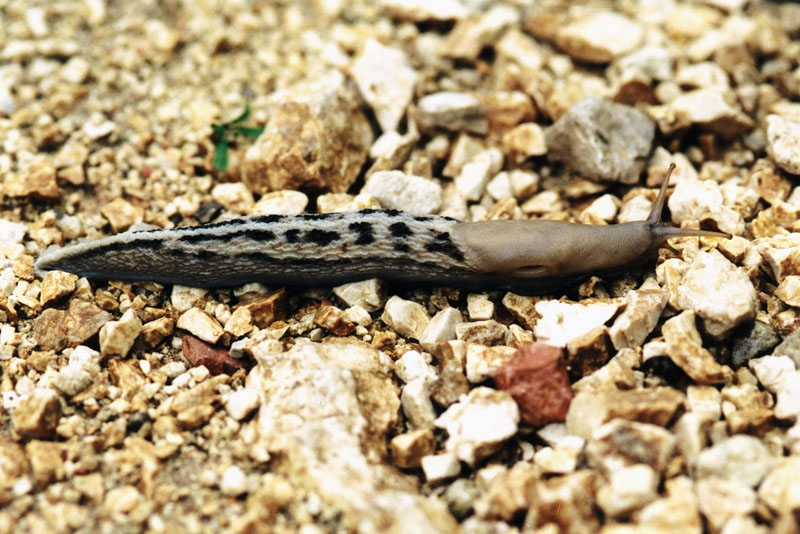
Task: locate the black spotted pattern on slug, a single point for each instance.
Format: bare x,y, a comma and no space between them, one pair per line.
282,248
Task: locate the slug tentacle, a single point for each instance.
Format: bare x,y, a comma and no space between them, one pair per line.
662,232
533,257
658,206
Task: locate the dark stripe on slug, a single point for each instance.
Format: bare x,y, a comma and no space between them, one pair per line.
256,257
139,244
364,232
261,235
400,230
254,234
293,235
446,248
200,238
231,223
385,213
402,247
318,216
268,218
444,244
322,237
266,260
205,254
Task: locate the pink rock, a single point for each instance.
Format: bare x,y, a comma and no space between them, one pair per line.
536,377
218,361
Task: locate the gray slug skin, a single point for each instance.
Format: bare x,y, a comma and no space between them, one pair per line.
533,257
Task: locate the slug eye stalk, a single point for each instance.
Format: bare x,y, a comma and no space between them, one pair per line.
660,231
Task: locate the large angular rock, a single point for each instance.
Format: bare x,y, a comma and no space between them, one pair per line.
601,140
317,139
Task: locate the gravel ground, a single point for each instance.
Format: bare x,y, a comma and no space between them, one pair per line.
664,399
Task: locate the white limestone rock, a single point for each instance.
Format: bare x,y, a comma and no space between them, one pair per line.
412,366
475,174
201,325
407,318
386,81
718,291
368,294
741,458
117,337
77,375
401,191
417,405
695,200
628,489
242,402
783,142
442,327
452,111
479,423
561,321
600,37
640,316
439,467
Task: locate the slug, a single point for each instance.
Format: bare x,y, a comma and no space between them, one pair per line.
533,257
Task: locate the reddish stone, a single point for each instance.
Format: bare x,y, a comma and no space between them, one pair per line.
536,377
217,361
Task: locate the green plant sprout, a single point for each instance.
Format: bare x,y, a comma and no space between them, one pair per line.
221,134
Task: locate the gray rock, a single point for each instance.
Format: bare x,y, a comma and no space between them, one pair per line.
743,459
461,496
601,140
756,341
790,347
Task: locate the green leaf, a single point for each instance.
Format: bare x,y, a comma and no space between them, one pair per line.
243,115
221,155
218,132
249,131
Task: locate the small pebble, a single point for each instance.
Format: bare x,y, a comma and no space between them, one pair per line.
398,190
117,337
241,403
741,458
479,423
439,467
782,146
200,324
233,481
280,203
452,111
600,37
410,448
407,318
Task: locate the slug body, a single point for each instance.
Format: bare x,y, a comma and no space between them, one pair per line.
533,257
